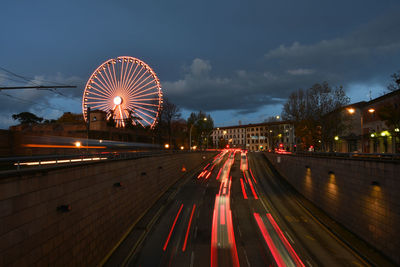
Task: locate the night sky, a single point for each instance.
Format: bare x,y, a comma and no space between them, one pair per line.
238,60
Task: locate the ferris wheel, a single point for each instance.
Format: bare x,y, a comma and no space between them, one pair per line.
127,89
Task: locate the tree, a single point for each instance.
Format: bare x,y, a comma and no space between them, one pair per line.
27,118
390,115
69,117
201,128
308,109
169,114
395,83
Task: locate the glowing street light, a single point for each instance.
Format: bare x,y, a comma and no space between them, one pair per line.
351,110
336,138
182,147
78,144
278,117
166,146
371,110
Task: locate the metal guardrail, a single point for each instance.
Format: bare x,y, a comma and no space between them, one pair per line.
354,155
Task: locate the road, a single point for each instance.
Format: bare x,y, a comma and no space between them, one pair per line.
236,212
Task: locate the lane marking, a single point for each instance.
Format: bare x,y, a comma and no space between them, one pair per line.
290,238
192,259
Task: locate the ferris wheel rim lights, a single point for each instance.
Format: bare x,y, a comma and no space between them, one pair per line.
124,86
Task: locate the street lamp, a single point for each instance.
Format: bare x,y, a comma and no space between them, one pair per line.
190,131
351,111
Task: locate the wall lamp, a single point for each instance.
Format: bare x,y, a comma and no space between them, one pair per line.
376,183
118,184
64,208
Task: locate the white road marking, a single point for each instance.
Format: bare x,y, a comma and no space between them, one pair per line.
247,259
240,232
192,259
291,239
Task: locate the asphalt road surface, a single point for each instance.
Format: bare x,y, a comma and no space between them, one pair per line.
236,212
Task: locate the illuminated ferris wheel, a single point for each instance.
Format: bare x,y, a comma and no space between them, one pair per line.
127,89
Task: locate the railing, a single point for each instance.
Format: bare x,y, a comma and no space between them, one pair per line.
354,155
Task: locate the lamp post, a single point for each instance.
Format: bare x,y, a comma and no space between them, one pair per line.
190,131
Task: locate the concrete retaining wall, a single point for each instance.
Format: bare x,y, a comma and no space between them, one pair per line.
362,195
33,231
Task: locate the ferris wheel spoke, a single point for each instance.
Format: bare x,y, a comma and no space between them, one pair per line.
105,82
121,116
111,76
93,93
138,97
98,106
145,90
142,117
130,76
133,106
106,87
146,104
143,99
106,96
126,74
134,80
139,89
95,98
135,88
139,82
120,73
140,121
107,73
102,89
115,76
145,114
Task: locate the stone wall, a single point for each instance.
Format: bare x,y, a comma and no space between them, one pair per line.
35,229
361,194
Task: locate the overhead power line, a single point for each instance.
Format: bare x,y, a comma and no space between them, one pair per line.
37,87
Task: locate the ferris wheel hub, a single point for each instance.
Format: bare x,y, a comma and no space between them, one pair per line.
117,100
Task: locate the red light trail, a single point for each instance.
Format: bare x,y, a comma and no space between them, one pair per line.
172,228
268,240
187,231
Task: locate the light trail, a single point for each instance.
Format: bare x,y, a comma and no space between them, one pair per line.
187,231
172,228
49,162
285,241
59,146
252,189
252,176
222,234
274,251
243,189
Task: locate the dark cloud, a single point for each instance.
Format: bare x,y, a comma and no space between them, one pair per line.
355,58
